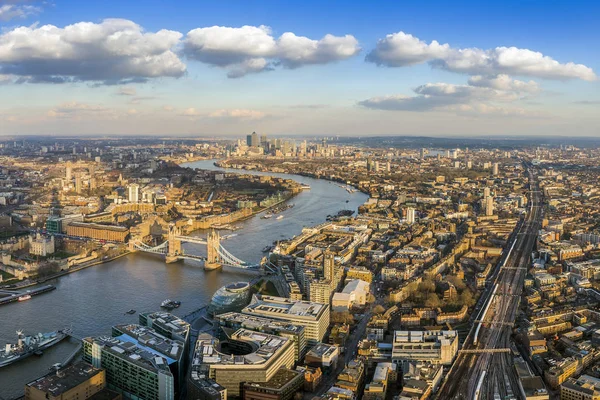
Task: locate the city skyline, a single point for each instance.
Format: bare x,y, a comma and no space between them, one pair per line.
68,68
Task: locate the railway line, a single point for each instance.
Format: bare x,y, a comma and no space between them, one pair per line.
479,372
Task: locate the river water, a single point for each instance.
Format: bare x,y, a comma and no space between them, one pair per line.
92,300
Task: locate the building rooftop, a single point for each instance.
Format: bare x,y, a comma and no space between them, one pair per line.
585,383
322,350
265,347
65,379
151,352
285,307
168,322
148,337
253,322
92,225
281,378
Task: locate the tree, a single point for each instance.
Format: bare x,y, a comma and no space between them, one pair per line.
466,298
427,286
459,284
378,309
432,300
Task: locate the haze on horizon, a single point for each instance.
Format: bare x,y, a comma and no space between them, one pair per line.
303,68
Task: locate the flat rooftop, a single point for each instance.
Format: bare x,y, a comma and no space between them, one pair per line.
56,383
168,322
282,377
128,348
254,322
266,347
286,307
149,338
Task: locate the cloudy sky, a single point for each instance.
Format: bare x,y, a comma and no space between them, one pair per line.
299,68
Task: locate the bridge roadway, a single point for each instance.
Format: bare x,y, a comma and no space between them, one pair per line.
500,375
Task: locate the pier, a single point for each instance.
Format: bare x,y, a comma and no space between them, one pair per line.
12,296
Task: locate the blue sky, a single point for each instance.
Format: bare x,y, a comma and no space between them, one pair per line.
311,87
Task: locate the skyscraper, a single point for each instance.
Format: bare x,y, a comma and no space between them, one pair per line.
252,140
495,169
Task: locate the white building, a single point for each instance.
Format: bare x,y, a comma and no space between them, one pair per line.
134,193
354,293
41,245
411,215
435,347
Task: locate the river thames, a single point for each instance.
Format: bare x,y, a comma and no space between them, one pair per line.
92,300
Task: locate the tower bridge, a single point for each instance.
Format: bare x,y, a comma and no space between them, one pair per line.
216,255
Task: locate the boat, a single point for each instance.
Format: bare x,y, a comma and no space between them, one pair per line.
168,304
279,217
24,297
132,311
305,187
267,248
29,345
266,216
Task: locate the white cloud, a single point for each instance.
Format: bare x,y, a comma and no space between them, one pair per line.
401,49
75,109
504,82
18,11
113,51
237,113
458,98
253,49
127,91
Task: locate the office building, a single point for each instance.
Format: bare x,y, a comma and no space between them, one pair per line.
111,233
77,381
282,386
246,356
234,321
314,317
205,389
583,388
139,363
57,224
252,140
495,169
322,355
435,347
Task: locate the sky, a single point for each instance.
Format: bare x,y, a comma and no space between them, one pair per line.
304,68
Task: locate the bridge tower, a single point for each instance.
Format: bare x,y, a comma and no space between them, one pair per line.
213,242
174,249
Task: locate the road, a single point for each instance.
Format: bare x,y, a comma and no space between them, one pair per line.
484,374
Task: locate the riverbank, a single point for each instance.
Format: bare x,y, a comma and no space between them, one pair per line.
223,164
67,272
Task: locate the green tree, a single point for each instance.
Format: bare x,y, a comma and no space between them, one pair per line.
432,300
